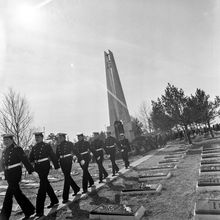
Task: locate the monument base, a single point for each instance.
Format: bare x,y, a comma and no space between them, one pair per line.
129,133
115,212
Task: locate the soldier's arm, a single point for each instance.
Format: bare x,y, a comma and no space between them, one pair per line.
53,157
91,147
76,152
31,156
24,159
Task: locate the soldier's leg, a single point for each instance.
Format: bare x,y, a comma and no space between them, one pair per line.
66,187
114,166
69,179
104,172
7,204
51,193
84,180
41,195
74,186
25,204
126,160
100,170
89,177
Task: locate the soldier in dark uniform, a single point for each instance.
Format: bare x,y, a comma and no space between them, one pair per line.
40,155
64,154
97,148
110,148
82,149
12,157
124,148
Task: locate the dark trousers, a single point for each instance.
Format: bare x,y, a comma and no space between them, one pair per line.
45,188
102,171
66,166
125,158
86,176
14,190
115,168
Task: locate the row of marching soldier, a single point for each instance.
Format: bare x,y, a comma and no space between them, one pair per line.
38,164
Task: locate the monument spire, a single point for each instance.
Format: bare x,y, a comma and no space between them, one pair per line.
120,120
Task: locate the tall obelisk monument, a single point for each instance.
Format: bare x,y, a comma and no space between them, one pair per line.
120,120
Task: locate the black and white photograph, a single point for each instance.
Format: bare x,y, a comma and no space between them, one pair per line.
110,109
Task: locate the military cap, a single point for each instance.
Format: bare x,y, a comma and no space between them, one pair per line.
61,134
38,134
122,134
7,136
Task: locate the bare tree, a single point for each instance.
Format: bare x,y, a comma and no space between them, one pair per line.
144,116
15,117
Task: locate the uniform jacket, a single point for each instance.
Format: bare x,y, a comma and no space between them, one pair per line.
14,155
64,148
109,142
97,147
124,145
43,150
82,150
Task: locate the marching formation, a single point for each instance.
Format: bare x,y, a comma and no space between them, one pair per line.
38,163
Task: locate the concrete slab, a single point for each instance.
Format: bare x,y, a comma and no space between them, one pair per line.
207,209
210,156
208,184
143,188
211,148
210,161
158,167
210,168
174,157
162,175
117,212
211,151
168,161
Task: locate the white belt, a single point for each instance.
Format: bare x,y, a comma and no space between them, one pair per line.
86,152
98,149
67,155
41,160
12,166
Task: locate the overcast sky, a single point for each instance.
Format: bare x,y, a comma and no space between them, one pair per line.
55,56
